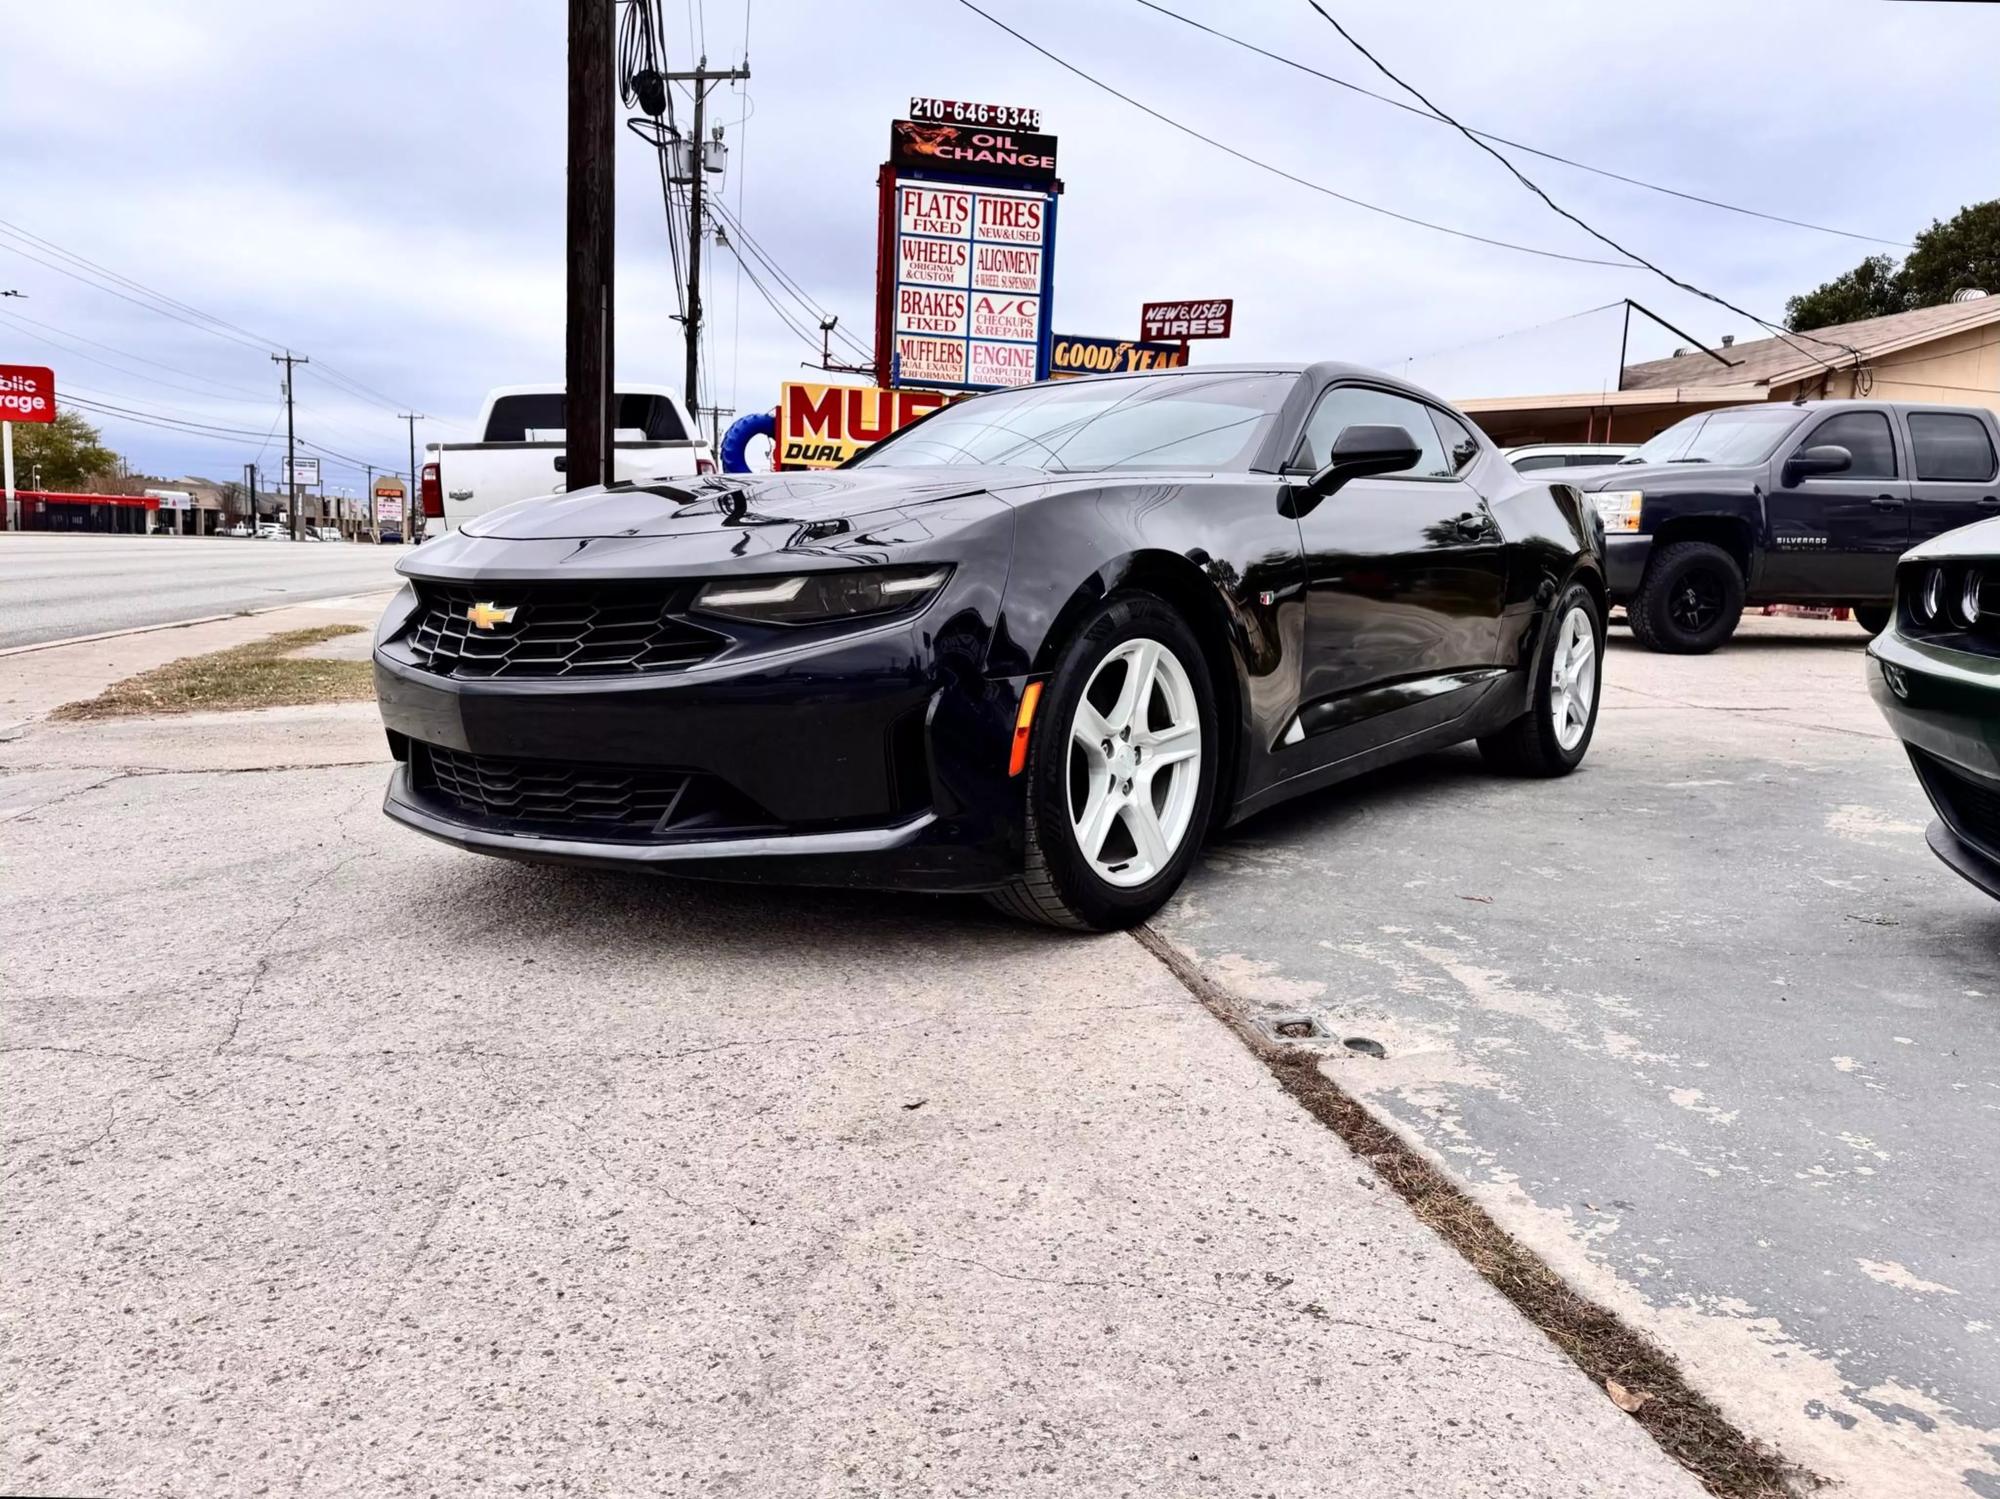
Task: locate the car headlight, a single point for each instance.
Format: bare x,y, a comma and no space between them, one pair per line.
1968,599
1619,508
815,598
1930,595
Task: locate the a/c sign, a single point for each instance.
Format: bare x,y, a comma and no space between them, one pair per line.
27,393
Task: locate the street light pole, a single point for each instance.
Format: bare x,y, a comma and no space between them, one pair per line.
411,507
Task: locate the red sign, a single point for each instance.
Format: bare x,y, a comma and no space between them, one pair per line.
1164,320
27,393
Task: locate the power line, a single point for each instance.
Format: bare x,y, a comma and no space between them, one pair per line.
1593,232
1582,166
83,269
798,293
67,347
1277,171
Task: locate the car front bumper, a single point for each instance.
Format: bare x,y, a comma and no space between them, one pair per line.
1945,707
873,760
1625,557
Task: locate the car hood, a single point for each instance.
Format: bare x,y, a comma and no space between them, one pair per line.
728,505
1980,539
1663,478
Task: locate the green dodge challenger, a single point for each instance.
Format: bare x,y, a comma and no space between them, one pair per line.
1935,672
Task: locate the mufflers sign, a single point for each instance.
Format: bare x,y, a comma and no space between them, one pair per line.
822,426
1009,155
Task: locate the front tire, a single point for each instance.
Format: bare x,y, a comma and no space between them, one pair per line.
1689,601
1551,737
1872,617
1112,831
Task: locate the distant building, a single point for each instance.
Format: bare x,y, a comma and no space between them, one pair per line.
1949,354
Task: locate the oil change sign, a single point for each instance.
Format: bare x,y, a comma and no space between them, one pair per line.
969,294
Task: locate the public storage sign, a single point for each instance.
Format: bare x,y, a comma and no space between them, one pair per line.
27,393
968,302
1209,319
822,426
1073,355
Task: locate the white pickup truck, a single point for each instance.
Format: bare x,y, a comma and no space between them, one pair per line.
521,448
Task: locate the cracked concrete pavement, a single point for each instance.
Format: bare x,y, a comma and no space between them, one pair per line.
339,1162
1706,1025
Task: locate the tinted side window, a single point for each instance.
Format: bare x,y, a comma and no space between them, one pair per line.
514,417
1356,406
1951,447
1460,446
1865,434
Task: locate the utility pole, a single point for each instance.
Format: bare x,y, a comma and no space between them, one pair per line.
698,159
826,359
715,414
288,359
412,507
587,344
250,499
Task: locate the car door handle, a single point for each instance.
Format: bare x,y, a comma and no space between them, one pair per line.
1886,502
1989,499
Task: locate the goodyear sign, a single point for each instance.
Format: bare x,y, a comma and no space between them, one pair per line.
822,426
1075,356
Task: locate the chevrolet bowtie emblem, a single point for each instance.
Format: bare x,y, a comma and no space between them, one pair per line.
485,616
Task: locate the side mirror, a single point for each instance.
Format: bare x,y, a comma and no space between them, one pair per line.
1827,458
1361,451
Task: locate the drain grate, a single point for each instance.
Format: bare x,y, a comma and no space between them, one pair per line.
1291,1025
1366,1047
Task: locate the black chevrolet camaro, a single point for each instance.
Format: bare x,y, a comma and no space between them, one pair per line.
1037,644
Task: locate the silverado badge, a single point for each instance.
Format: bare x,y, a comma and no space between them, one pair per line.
485,616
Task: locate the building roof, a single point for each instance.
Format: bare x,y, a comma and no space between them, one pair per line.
1772,361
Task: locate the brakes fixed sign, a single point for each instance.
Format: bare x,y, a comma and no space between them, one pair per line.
27,393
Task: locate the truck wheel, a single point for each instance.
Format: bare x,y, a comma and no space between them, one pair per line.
1689,601
1874,618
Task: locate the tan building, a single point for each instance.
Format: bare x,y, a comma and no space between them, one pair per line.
1948,354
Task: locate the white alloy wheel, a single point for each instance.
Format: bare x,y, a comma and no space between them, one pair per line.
1134,764
1573,677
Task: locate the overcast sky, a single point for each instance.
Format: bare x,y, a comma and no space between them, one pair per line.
380,185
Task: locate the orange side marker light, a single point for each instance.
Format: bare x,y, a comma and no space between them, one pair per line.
1024,721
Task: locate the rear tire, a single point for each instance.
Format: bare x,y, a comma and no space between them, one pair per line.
1147,817
1874,618
1689,601
1550,739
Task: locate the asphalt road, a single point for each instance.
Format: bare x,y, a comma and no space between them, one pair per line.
1705,1023
54,587
341,1162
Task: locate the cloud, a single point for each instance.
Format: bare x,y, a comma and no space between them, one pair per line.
381,185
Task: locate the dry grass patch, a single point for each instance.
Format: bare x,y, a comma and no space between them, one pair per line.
258,675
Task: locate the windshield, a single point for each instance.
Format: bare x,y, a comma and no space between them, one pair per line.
1166,422
1720,437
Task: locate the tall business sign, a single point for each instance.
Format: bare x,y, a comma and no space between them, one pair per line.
27,394
965,254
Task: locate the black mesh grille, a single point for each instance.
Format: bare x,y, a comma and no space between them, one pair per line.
582,801
552,630
1969,804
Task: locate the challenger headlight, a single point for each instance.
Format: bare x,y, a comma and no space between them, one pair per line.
1619,508
1968,601
817,598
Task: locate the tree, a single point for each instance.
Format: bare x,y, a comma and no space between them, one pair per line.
67,451
1872,289
1945,259
1948,258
